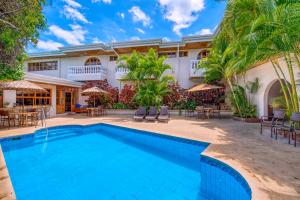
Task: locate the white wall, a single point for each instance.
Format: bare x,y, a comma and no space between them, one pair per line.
9,96
181,68
267,77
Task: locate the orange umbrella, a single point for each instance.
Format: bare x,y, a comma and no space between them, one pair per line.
203,87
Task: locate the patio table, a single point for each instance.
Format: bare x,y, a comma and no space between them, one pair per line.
91,111
23,117
208,112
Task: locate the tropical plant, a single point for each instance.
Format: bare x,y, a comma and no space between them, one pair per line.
20,22
247,109
147,73
127,94
257,31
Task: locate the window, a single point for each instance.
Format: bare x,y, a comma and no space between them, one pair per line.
183,54
92,61
202,54
113,58
168,54
34,98
42,66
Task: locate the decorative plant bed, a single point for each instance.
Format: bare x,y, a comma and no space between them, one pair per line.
247,120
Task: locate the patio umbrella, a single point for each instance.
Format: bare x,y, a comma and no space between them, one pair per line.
22,85
93,91
204,87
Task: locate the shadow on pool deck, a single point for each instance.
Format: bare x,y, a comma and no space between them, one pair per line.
271,167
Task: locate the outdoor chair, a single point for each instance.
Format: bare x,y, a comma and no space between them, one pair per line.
164,115
294,129
271,121
152,115
6,117
216,112
99,110
140,114
200,112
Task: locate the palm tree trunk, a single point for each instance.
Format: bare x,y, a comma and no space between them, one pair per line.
293,82
285,92
236,102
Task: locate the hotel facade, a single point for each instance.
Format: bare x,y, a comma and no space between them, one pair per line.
64,71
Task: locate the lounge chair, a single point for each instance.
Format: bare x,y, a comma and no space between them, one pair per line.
152,115
140,114
164,114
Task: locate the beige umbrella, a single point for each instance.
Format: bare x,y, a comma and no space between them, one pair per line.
93,91
22,85
204,87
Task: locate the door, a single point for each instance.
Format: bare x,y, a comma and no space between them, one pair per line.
68,102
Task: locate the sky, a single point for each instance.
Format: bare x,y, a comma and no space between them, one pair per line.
77,22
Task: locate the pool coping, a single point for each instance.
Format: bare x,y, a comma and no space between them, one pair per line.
222,165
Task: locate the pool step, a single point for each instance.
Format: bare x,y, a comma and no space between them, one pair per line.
54,134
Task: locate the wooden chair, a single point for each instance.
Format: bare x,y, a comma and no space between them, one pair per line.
6,117
200,112
216,112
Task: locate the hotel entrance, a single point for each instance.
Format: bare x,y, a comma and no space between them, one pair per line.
65,99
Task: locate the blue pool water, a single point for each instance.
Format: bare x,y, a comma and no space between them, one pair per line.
109,162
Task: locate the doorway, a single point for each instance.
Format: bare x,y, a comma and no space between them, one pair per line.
68,102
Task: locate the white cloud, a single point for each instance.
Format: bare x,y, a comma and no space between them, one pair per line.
204,31
135,38
96,40
49,45
139,16
73,3
140,30
104,1
75,36
74,14
182,12
120,14
166,39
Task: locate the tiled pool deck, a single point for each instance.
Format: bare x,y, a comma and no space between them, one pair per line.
272,168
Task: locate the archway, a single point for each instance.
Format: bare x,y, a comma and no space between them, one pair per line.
92,61
273,92
202,54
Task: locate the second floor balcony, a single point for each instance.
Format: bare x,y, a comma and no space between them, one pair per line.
87,73
195,72
121,73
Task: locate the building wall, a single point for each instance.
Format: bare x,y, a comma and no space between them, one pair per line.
180,65
267,77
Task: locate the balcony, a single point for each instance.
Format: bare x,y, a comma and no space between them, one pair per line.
194,71
121,73
87,73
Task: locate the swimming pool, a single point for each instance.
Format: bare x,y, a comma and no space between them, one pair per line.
109,162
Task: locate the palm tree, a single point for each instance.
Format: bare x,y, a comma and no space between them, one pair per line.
147,72
258,30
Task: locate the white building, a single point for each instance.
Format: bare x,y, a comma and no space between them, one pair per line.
62,72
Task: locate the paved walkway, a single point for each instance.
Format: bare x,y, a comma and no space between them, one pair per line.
272,168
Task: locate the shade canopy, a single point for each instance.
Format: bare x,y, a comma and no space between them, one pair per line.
21,85
93,91
204,87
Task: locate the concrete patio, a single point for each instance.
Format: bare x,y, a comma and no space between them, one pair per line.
272,168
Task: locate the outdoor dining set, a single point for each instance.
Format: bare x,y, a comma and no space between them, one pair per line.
279,125
21,116
202,112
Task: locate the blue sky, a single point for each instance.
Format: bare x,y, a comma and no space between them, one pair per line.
75,22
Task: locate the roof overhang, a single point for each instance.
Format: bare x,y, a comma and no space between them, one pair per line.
51,80
189,42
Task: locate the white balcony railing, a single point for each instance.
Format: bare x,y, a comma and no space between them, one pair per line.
121,73
194,71
87,73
